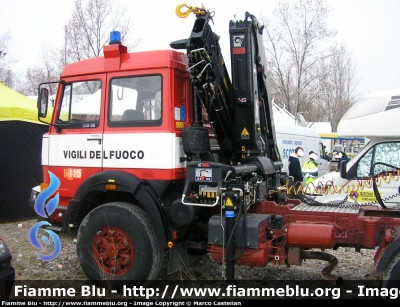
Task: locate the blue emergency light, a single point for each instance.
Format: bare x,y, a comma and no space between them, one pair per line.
115,37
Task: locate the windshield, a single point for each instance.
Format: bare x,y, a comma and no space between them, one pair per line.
385,158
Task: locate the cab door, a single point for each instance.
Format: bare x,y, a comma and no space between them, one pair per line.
75,141
134,135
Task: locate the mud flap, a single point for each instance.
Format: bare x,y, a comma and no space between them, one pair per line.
178,258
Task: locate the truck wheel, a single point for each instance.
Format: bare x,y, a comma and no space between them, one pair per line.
391,275
117,245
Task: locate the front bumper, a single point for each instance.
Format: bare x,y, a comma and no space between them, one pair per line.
34,194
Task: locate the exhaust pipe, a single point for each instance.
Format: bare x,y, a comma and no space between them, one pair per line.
326,273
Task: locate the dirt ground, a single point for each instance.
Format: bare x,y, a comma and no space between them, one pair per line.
352,265
29,266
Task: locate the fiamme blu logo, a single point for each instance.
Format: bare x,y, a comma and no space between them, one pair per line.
45,206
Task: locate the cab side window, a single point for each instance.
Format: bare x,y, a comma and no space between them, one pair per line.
135,101
382,158
81,103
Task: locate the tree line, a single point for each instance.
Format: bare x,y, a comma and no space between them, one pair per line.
311,75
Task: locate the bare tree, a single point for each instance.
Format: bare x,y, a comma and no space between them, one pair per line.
295,47
89,28
86,33
337,85
7,76
47,71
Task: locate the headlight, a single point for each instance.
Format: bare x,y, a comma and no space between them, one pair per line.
34,194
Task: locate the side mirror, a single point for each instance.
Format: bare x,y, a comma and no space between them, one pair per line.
43,102
342,170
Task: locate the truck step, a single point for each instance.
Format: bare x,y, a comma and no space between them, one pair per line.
54,228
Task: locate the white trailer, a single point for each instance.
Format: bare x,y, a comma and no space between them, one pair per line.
371,177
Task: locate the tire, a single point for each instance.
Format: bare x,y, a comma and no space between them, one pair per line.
117,245
391,274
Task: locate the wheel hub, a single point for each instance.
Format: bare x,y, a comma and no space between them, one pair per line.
113,250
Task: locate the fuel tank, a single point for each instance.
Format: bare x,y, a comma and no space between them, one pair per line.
311,235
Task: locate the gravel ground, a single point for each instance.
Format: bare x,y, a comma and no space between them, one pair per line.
352,265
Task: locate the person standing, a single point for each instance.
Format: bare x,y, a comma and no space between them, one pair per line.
294,165
341,155
310,168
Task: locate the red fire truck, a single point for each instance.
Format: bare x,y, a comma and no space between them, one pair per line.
161,153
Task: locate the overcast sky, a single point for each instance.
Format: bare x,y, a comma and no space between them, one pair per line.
368,28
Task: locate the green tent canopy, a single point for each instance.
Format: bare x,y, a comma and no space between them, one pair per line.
15,106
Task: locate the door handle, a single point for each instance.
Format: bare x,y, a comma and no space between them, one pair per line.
95,139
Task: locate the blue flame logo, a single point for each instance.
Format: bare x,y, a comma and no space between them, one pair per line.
45,210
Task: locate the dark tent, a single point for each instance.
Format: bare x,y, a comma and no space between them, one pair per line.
20,153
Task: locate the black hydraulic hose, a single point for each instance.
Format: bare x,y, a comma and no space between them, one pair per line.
198,116
326,273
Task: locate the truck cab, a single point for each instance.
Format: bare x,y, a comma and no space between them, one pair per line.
126,118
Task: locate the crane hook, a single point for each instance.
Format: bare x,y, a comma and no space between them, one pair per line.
195,10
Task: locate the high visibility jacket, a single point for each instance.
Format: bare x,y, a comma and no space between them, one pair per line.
310,170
